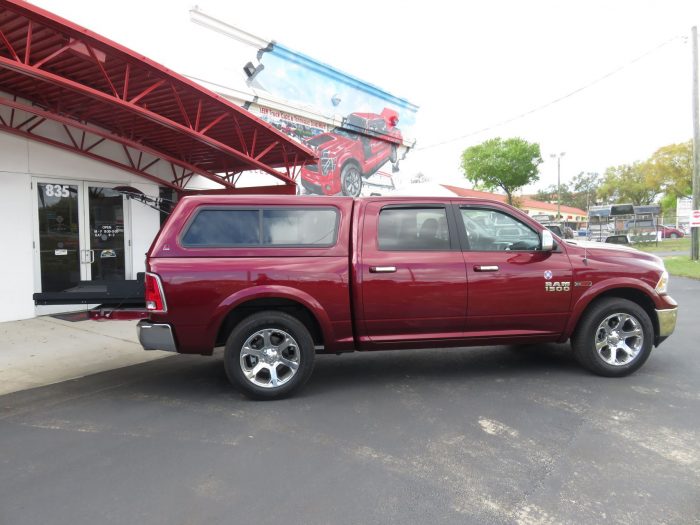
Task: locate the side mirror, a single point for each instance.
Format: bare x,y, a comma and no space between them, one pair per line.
547,241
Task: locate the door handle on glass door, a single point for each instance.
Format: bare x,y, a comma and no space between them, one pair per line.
382,269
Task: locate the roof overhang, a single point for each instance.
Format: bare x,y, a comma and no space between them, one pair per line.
54,71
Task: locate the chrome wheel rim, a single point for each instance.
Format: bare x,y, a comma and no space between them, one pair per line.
619,339
352,182
270,358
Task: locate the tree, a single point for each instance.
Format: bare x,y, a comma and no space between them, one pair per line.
671,168
630,183
506,164
549,194
584,189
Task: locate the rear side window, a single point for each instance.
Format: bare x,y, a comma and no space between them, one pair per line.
413,229
231,227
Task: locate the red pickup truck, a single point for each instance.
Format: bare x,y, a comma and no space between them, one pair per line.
277,279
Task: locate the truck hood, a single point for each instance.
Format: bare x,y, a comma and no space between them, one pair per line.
613,250
330,143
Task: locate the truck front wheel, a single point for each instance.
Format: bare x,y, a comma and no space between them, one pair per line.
614,337
269,355
351,180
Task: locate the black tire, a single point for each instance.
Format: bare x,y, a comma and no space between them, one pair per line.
277,325
394,155
351,180
592,330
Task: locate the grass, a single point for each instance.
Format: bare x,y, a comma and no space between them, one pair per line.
682,266
667,245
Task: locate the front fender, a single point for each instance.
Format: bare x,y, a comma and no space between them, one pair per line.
600,288
270,292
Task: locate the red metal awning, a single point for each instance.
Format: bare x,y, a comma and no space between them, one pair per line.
55,72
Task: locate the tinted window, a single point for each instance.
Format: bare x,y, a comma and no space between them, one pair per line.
269,227
413,229
490,230
223,228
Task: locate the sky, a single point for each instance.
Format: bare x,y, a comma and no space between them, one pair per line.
470,66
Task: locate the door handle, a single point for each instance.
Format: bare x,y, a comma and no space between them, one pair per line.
382,269
92,256
485,268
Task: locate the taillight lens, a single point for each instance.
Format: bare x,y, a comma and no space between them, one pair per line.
155,299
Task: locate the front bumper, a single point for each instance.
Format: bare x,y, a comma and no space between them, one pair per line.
156,336
667,323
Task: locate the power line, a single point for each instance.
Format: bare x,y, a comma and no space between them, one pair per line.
556,100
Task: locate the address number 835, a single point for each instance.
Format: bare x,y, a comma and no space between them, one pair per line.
56,190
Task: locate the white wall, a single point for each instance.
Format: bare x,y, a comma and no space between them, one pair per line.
20,160
16,253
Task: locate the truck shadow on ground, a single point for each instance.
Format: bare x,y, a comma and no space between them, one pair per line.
203,379
370,370
454,364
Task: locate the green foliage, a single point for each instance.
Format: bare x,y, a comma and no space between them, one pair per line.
580,193
668,172
629,183
506,164
683,266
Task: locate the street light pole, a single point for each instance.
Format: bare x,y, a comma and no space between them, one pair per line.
695,232
558,157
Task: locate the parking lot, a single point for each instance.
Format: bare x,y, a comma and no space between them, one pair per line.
480,435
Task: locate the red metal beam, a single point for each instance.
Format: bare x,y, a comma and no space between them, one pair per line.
70,123
95,94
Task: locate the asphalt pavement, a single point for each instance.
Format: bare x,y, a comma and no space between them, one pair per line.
480,435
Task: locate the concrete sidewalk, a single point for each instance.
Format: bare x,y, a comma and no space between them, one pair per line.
45,350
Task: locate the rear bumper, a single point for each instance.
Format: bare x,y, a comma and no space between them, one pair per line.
667,323
156,336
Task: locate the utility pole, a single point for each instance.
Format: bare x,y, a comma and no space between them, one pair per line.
696,145
558,157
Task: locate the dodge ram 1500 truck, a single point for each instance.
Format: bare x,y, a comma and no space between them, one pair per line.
278,279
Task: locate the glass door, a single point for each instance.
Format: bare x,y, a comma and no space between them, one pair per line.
80,235
58,243
106,244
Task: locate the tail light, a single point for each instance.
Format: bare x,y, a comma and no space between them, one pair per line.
155,298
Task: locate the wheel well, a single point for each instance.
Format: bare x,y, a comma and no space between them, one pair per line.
636,296
353,161
287,306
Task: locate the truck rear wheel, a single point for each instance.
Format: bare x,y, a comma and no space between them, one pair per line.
614,337
269,355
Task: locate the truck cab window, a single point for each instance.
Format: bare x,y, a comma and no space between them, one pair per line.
413,229
490,230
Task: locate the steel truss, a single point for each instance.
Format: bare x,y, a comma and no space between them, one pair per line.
98,91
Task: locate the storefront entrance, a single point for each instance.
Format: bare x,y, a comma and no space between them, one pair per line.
80,234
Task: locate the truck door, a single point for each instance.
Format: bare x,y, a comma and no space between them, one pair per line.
514,287
411,274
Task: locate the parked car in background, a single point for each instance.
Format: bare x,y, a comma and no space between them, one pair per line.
671,232
667,232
